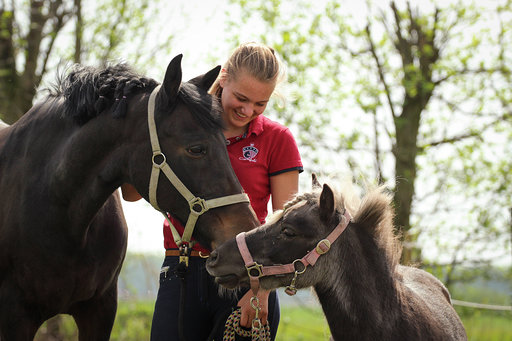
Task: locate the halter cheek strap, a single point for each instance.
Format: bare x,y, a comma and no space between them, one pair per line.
197,205
254,270
298,266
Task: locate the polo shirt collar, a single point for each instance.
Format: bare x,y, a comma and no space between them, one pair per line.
256,126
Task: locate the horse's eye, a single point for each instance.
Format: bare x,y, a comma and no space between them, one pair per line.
197,150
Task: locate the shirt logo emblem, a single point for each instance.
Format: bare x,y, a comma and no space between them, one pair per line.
249,153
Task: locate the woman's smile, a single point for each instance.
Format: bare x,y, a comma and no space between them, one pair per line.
243,99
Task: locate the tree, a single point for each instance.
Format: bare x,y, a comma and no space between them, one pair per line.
429,93
18,83
39,35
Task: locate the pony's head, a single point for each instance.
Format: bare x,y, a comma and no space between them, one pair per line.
297,230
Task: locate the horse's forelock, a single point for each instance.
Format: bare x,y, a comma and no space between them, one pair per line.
205,108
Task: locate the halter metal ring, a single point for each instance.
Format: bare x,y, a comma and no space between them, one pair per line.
257,267
323,246
198,206
297,272
155,163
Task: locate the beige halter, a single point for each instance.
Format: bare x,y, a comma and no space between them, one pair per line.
197,205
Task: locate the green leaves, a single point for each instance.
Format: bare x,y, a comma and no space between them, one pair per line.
435,81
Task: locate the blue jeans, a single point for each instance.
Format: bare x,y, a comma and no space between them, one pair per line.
205,310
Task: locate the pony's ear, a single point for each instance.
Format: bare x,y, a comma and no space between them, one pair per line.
205,81
314,181
172,82
327,204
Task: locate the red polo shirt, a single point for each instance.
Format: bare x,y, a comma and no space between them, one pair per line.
268,148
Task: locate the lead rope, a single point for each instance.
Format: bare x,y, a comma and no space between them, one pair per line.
233,328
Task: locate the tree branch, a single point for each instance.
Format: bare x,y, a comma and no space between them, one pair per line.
458,138
57,26
467,71
401,44
380,70
34,38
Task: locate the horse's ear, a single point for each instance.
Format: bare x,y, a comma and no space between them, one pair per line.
205,81
314,181
327,204
172,81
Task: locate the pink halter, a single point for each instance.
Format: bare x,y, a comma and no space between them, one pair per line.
255,270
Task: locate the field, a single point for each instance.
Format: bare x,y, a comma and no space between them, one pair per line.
297,324
301,315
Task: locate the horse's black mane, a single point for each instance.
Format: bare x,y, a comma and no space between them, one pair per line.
88,91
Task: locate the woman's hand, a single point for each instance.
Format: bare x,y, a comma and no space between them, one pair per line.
248,312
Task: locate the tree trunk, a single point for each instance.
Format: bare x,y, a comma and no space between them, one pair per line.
78,31
8,76
405,151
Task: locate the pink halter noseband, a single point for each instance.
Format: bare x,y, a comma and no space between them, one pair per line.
255,270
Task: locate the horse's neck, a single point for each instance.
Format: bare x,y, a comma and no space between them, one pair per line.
65,164
88,167
56,172
360,293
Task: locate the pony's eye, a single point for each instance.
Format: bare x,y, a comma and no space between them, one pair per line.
288,232
197,150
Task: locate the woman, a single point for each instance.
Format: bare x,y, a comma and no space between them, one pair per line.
266,160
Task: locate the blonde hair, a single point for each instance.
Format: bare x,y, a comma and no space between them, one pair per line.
258,60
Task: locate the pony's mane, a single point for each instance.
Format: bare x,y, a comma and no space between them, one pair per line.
373,212
89,91
376,214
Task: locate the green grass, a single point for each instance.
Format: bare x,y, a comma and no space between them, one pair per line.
486,325
133,323
301,324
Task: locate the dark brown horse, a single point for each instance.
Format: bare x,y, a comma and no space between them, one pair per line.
365,294
62,231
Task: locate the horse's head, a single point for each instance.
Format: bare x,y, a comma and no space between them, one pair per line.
289,236
189,139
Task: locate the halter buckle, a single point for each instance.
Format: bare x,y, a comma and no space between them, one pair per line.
323,246
256,267
198,206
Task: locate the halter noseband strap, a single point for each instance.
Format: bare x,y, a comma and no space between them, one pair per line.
197,205
255,270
